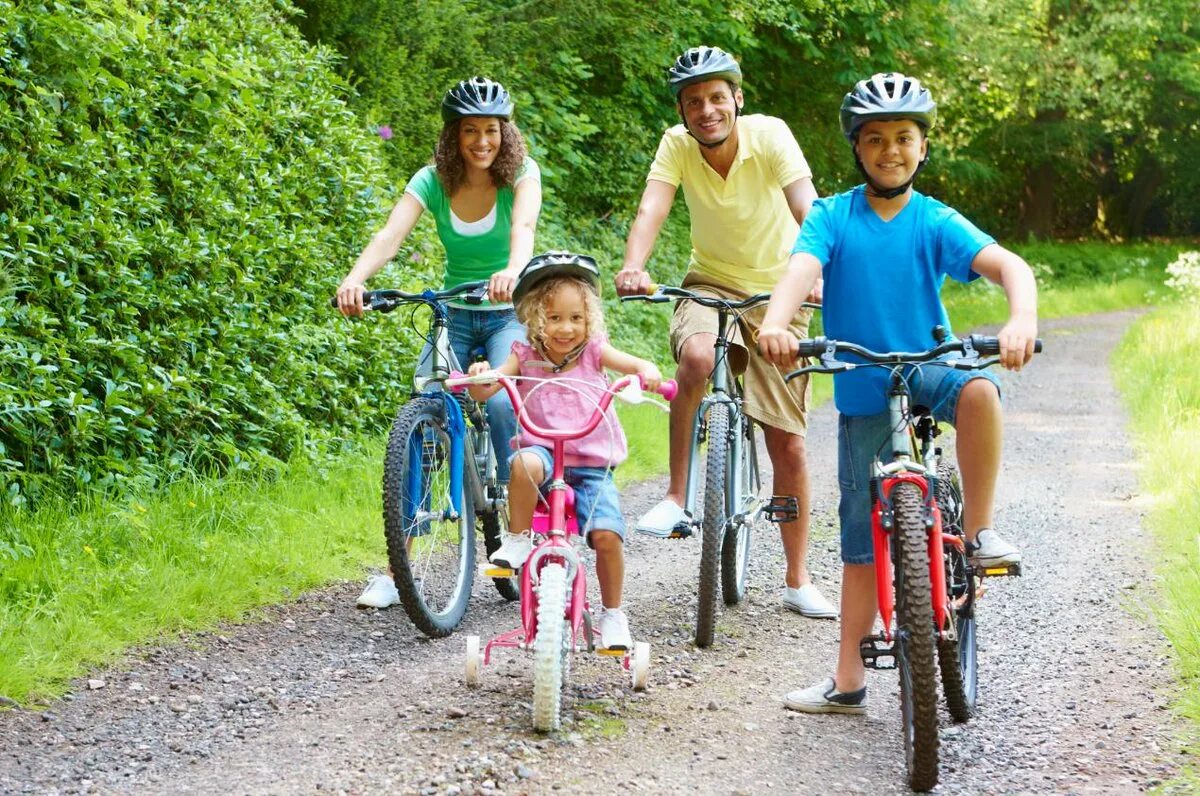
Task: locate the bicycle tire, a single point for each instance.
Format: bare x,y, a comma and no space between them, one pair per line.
735,548
713,526
957,657
548,648
435,579
915,638
493,526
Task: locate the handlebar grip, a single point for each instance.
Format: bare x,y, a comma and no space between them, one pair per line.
811,348
990,346
669,389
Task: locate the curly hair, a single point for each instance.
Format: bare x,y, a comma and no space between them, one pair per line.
448,160
531,310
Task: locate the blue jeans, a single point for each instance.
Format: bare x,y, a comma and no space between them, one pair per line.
863,438
597,506
494,331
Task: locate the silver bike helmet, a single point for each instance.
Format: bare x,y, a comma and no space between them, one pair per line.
477,96
887,96
556,263
703,63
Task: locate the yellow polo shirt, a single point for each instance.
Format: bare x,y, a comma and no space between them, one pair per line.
742,228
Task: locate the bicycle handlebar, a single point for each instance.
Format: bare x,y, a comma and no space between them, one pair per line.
664,293
973,347
458,382
388,300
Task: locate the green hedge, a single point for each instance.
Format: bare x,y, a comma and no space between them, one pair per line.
183,185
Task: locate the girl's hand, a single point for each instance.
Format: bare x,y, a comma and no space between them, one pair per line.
651,378
350,298
500,288
778,346
478,368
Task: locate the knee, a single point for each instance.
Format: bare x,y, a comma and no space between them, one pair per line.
695,361
978,395
606,542
785,448
526,469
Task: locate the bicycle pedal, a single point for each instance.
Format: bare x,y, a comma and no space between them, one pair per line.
611,653
1005,571
782,508
499,572
681,531
872,648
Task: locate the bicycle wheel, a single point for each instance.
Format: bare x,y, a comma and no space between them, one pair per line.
548,647
434,577
493,523
715,517
914,638
957,657
735,549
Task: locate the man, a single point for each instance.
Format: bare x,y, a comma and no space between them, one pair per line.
747,188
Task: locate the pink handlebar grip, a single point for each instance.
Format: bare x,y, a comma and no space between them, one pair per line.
668,389
454,374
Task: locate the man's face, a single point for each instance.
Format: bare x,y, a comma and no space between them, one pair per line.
891,150
710,109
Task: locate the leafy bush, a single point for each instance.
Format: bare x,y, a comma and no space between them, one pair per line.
183,185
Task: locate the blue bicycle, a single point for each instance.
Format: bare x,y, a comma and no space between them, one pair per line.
439,479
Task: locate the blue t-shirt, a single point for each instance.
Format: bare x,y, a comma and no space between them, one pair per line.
883,280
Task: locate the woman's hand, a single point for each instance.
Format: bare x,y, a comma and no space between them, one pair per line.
650,376
350,297
500,288
478,368
778,346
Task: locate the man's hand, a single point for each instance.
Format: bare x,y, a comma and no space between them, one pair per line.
778,346
350,298
501,285
817,294
1016,342
632,282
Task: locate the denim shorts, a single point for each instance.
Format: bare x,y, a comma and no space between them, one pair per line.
862,438
597,507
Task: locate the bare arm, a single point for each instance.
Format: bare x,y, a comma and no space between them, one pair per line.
800,196
632,279
481,392
1009,271
621,362
527,205
775,342
383,247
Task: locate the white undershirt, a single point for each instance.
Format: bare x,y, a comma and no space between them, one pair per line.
473,228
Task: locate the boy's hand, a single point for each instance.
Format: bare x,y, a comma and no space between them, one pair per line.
778,346
478,368
651,377
1016,342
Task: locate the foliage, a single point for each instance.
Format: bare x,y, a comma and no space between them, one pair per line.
178,178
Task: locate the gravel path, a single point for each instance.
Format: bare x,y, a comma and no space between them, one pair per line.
315,696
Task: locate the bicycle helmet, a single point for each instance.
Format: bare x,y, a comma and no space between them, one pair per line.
477,96
703,63
887,96
556,263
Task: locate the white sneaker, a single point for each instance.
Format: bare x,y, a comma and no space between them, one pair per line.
808,601
661,520
993,551
614,629
380,593
514,552
825,698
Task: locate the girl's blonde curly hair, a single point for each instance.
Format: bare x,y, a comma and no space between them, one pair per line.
531,310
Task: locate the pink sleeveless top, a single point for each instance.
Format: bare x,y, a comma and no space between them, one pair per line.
569,405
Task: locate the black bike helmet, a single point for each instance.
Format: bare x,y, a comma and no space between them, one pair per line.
553,263
476,97
887,96
703,63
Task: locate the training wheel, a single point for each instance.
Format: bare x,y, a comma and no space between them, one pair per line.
640,666
474,661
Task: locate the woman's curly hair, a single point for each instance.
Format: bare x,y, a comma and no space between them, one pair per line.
531,310
448,160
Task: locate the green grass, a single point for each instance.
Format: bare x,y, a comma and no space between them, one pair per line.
1155,366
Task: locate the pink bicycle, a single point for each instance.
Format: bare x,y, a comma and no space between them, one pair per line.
553,582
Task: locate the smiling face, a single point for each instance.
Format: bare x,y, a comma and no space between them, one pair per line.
566,324
891,150
479,141
710,109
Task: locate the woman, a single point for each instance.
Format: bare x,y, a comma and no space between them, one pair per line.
485,194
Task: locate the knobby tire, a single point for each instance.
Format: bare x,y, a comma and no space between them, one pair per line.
548,648
957,657
713,526
735,549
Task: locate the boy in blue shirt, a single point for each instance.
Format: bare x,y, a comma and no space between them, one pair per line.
884,251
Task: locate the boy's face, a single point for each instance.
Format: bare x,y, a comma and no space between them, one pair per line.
891,150
710,109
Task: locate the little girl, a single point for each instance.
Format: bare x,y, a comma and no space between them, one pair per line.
557,297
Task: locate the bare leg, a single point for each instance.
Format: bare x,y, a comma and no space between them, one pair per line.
610,566
859,607
979,428
695,363
789,461
527,474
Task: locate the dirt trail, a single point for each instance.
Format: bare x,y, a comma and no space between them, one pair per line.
320,697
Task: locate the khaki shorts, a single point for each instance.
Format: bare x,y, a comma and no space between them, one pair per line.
767,398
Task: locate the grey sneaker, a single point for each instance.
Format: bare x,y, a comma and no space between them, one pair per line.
825,698
514,551
380,593
614,629
991,550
